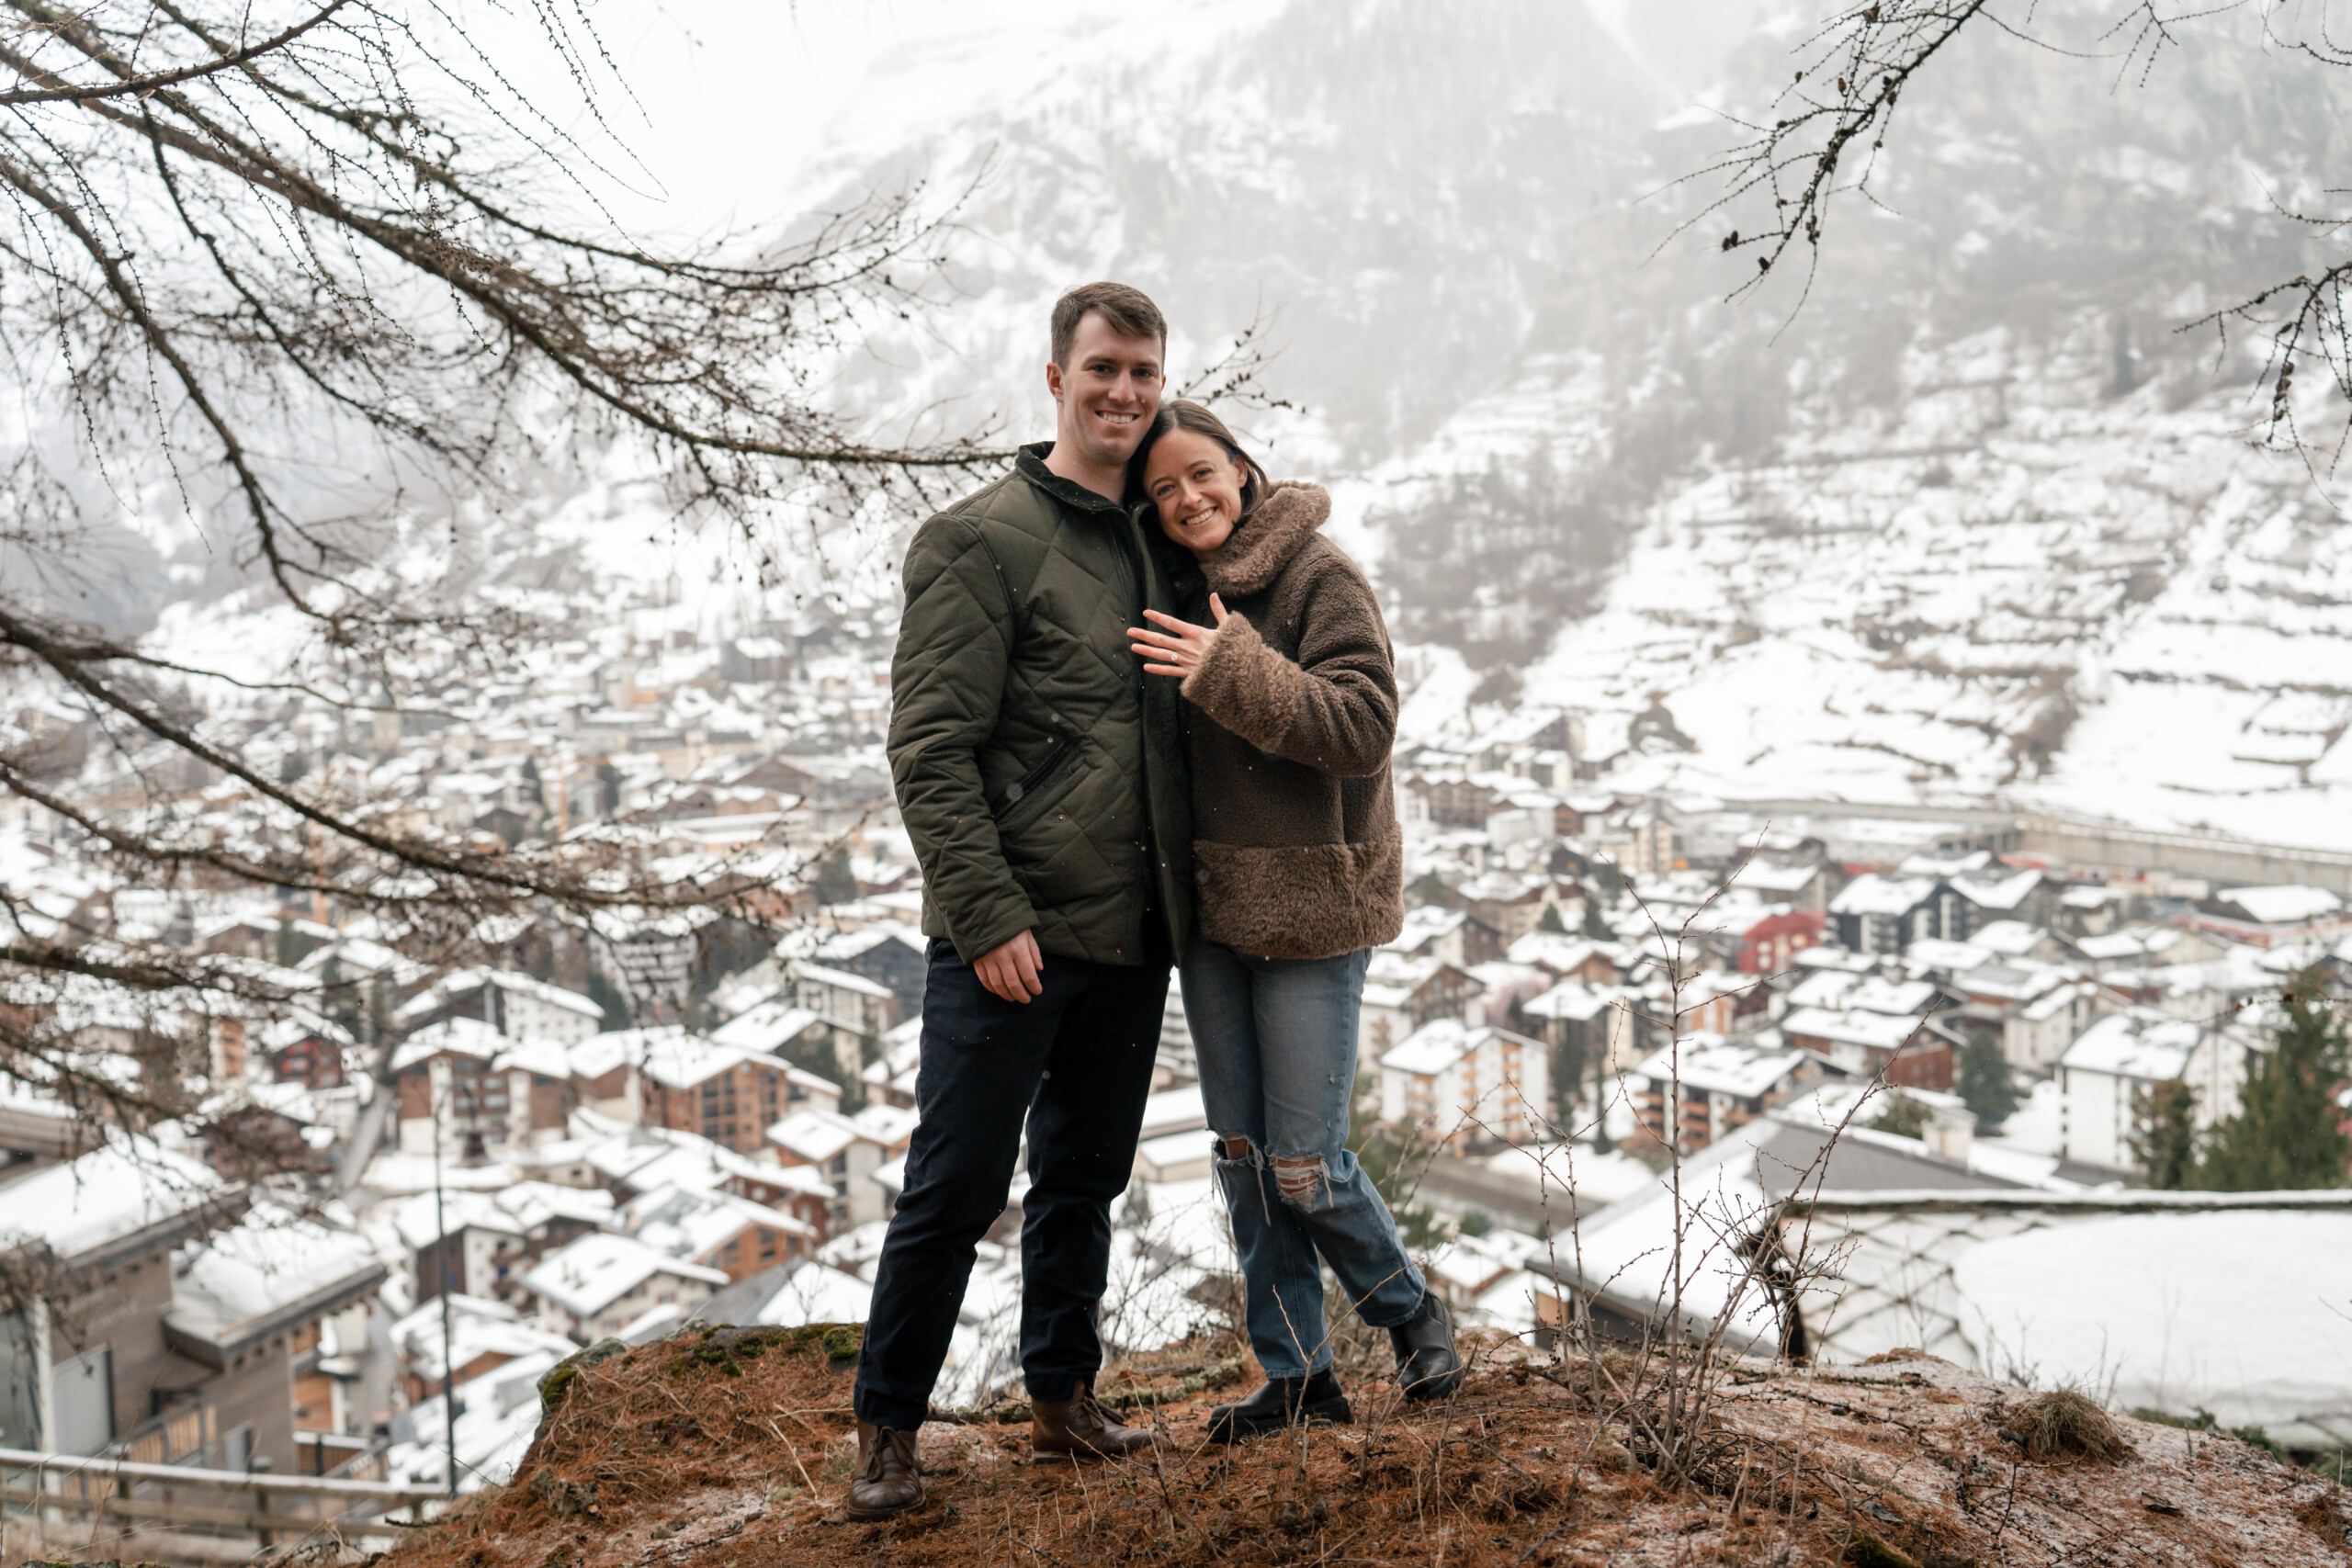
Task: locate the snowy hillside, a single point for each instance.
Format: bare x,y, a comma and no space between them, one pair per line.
1976,521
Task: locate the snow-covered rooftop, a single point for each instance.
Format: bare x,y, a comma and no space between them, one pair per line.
1733,1067
2140,1043
124,1186
2286,905
590,1273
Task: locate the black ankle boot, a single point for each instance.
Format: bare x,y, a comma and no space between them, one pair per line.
1283,1401
1427,1365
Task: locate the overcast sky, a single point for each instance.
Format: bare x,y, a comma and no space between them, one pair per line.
735,99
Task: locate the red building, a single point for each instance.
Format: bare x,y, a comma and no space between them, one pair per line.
1771,945
308,1050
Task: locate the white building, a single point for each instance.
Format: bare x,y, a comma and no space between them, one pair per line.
1479,1084
484,1091
2039,1033
847,1151
601,1282
849,1003
515,1005
2129,1050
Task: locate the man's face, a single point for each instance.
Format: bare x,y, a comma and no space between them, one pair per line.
1108,392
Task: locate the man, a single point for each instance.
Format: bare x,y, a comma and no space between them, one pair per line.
1041,778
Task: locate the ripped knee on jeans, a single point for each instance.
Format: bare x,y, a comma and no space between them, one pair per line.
1300,1177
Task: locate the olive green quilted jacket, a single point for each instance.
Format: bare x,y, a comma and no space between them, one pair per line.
1039,772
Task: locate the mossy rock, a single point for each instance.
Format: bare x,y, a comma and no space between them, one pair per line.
558,1380
727,1347
840,1341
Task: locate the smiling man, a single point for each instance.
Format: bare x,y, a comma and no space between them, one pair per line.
1042,781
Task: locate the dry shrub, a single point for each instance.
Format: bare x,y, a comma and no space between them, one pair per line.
685,1412
2067,1426
2322,1515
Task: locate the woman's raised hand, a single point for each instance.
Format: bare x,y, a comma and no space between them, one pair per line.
1179,647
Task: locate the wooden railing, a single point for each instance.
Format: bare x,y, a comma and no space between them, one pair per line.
267,1505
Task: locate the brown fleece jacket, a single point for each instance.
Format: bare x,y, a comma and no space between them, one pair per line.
1294,710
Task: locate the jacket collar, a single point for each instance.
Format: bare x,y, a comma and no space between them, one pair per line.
1277,528
1031,466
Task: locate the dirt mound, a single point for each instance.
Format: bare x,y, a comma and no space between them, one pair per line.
732,1449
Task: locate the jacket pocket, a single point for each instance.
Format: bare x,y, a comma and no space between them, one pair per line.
1031,785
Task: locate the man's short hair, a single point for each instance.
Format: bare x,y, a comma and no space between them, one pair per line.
1129,310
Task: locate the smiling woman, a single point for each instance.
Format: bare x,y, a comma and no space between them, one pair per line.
1198,478
1298,863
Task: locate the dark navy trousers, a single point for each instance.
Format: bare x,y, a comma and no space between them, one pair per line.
1074,1065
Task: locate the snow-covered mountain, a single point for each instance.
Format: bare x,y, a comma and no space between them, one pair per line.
1972,520
1976,520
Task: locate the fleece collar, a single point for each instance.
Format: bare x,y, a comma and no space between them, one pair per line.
1277,528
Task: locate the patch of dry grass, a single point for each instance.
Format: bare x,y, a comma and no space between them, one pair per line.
2065,1425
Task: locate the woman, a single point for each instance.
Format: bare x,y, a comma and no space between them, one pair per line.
1291,710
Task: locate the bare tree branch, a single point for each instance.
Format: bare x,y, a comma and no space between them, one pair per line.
296,274
10,98
1832,121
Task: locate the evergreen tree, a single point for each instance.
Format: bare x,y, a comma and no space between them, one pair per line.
2163,1133
1985,1083
835,883
1602,1142
1567,1075
1550,920
1596,922
1428,888
2288,1130
605,995
1900,1115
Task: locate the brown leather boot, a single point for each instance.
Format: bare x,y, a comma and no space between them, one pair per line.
886,1481
1079,1427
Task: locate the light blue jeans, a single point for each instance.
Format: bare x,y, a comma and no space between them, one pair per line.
1276,1039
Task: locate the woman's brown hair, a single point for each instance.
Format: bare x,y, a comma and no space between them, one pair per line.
1185,414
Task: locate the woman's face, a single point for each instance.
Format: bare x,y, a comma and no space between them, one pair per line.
1197,487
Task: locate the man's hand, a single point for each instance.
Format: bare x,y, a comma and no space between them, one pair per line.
1015,970
1178,648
